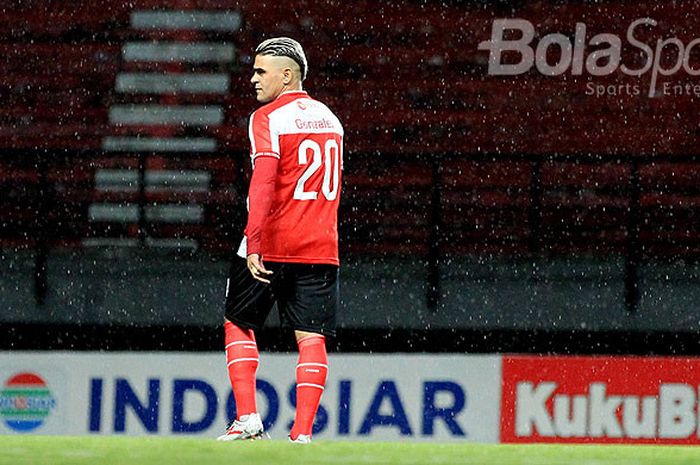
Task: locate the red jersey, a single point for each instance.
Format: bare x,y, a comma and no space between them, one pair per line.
307,138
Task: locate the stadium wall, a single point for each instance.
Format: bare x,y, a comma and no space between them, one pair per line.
455,397
126,287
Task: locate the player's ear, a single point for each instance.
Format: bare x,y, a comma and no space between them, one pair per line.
287,75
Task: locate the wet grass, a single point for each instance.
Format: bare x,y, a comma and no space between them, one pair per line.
93,450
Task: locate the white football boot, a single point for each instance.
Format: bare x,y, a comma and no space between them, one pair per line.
301,439
248,427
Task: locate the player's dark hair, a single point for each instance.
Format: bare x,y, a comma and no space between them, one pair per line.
284,47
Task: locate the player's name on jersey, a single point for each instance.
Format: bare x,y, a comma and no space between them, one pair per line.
314,124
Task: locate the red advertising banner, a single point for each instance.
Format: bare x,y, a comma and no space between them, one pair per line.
640,400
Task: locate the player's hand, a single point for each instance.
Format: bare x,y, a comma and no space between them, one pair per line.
257,269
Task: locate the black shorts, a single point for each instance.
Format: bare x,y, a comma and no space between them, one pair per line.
306,296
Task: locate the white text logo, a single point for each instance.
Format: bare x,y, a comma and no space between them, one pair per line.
604,60
672,414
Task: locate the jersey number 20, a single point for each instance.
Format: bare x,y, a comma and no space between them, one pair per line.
329,158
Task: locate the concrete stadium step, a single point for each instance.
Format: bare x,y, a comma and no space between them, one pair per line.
222,21
124,180
174,52
152,114
165,244
129,213
158,144
163,83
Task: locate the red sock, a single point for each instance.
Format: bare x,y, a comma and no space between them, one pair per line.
242,362
311,379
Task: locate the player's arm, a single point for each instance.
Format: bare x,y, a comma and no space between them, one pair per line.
265,155
260,194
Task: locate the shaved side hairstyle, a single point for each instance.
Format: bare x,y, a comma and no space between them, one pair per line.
285,47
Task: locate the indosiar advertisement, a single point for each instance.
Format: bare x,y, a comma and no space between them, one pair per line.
367,397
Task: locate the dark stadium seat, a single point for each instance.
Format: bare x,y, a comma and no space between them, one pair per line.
484,205
669,200
96,59
584,206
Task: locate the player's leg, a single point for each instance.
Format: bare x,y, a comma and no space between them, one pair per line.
247,304
309,302
311,373
242,365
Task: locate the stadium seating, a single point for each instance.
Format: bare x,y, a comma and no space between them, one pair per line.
409,84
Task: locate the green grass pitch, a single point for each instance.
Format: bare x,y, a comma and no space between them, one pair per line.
56,450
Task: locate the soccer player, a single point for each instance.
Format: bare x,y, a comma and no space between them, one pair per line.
289,252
